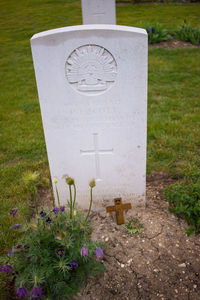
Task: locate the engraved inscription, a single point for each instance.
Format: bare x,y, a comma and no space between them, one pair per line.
86,117
91,69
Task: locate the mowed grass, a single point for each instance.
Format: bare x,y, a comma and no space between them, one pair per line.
173,110
169,15
173,102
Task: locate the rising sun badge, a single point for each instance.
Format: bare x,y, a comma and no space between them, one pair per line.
91,69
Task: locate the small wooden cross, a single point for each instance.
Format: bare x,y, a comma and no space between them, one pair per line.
119,209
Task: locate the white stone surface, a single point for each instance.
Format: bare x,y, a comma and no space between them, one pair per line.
98,11
92,85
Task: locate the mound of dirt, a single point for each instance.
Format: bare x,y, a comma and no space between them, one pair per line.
160,263
172,44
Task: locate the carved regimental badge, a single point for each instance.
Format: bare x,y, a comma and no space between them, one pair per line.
91,69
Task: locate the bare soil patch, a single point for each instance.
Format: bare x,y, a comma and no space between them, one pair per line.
173,44
161,263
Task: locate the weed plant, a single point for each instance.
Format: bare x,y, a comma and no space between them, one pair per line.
184,200
55,253
133,226
188,34
157,34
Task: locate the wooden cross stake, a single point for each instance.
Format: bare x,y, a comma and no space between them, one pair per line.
119,209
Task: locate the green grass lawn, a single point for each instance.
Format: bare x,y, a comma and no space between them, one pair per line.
173,110
173,102
169,15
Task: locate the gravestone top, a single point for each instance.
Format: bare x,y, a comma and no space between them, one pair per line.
79,28
98,11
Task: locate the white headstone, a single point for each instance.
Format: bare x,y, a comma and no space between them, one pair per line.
98,11
92,85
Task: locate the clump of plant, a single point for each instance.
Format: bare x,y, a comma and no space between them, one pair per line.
133,226
188,34
184,201
55,254
32,182
157,34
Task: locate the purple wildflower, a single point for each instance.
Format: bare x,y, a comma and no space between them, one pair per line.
26,247
10,252
152,29
62,208
7,268
48,220
74,264
84,251
13,212
60,252
55,210
16,226
99,253
21,292
1,269
36,292
42,214
197,44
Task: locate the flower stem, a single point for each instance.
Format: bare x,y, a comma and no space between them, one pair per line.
53,198
74,196
90,205
70,192
57,196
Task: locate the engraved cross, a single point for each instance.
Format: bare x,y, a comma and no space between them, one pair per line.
99,11
96,152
